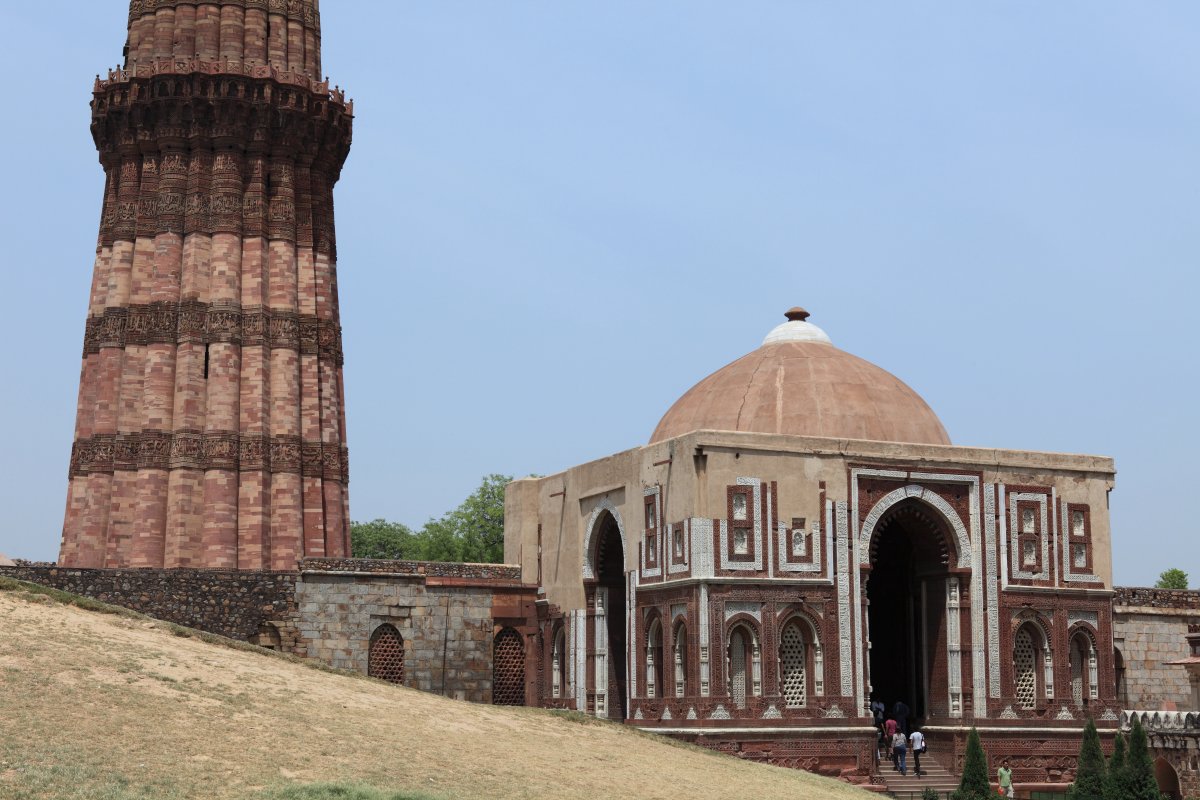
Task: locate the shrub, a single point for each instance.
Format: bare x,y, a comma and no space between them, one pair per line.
1139,768
975,784
1089,777
1114,782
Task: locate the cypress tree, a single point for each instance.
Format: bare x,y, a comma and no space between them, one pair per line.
1089,775
1140,781
1114,783
975,784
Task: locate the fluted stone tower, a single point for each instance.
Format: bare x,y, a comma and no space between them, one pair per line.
211,426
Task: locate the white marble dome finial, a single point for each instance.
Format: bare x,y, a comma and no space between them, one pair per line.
797,329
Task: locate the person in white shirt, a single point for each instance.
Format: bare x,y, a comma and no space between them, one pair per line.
916,743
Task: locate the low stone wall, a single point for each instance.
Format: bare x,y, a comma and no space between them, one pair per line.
240,605
1150,628
447,615
433,569
1146,597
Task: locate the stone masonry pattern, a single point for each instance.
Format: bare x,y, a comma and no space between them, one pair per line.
210,428
224,602
1150,629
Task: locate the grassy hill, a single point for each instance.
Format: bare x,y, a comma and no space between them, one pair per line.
113,706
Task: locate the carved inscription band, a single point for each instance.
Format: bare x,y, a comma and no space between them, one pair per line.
106,453
294,9
202,323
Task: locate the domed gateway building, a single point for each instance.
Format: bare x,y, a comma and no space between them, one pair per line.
800,537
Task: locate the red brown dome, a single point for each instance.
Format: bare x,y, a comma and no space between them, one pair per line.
799,384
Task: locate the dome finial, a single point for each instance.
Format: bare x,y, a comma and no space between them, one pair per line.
796,329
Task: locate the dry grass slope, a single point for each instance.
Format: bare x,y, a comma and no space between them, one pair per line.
114,706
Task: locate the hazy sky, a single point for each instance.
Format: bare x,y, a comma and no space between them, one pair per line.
556,217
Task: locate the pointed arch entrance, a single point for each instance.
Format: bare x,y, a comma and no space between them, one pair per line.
611,661
911,585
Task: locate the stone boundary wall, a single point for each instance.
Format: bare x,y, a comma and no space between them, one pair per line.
447,615
431,569
1147,597
226,602
1150,628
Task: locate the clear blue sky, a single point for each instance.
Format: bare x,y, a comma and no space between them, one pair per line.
557,217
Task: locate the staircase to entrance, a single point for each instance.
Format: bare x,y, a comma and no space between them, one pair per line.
910,787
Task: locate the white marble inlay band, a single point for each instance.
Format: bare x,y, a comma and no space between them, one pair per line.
1016,558
735,608
993,602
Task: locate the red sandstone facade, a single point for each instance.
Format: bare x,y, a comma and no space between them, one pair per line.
210,428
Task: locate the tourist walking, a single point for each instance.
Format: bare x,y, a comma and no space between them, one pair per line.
889,730
901,711
1005,775
877,712
900,751
916,743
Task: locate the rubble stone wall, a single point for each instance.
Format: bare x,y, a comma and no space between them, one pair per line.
239,605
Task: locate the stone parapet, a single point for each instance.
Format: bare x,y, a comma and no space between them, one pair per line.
240,605
430,569
1140,597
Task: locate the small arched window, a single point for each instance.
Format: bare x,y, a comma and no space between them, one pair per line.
1083,669
508,669
385,655
743,665
681,663
654,661
558,661
793,665
1119,677
1032,668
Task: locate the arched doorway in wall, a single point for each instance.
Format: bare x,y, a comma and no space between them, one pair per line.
1167,779
1119,676
911,553
610,595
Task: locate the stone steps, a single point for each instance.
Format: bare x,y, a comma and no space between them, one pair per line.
910,787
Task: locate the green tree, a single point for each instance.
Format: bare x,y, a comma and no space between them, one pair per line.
1089,777
1173,578
437,541
472,532
975,784
1114,783
382,539
1141,783
479,521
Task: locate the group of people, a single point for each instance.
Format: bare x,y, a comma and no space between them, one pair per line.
898,741
895,736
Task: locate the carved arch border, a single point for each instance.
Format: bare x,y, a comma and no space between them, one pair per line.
1045,628
589,549
930,498
754,655
816,630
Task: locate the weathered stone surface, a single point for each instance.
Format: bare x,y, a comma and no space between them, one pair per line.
240,605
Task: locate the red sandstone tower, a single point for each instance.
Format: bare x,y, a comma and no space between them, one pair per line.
211,425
